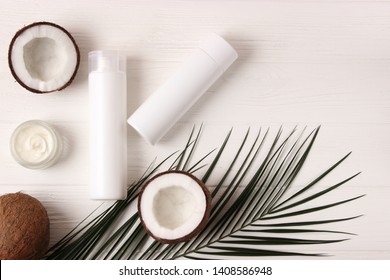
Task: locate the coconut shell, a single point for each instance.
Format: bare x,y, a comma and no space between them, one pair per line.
200,226
24,227
11,67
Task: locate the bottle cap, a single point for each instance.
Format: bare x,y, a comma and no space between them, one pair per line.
168,103
106,61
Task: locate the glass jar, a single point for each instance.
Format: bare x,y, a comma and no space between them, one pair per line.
36,145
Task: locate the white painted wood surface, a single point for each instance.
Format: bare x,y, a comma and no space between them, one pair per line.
300,63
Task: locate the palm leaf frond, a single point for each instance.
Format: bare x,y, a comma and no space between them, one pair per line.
248,214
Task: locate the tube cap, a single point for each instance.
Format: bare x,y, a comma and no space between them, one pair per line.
219,50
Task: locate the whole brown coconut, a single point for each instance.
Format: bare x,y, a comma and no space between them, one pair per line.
24,227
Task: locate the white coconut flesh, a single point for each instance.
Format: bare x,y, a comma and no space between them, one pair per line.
44,57
172,206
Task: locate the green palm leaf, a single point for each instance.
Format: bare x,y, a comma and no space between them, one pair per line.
246,218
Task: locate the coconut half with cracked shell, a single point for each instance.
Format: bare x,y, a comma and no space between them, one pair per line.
174,206
43,57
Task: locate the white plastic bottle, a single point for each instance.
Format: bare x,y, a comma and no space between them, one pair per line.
169,103
108,135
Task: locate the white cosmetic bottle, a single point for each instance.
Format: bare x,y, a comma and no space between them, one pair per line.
108,135
169,103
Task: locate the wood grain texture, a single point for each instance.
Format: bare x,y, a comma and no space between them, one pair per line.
304,63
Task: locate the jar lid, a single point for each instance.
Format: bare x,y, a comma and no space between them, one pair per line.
35,144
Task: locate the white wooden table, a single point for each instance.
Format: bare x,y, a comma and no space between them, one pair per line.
300,63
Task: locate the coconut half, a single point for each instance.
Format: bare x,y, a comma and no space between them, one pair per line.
43,57
174,206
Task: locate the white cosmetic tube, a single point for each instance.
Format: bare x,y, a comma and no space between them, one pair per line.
171,101
108,136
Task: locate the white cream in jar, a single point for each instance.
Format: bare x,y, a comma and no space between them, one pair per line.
35,144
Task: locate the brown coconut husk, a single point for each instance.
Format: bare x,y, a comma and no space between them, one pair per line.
24,227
